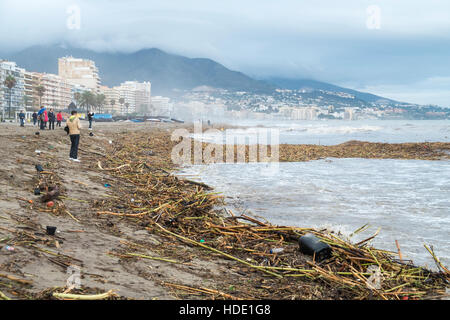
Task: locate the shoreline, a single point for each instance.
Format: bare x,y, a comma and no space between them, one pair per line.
147,210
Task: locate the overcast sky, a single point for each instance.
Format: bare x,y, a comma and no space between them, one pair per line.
395,48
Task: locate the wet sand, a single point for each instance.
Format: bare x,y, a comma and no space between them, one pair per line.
85,243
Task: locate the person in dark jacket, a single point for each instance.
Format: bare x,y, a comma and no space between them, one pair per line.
34,118
51,120
22,118
90,118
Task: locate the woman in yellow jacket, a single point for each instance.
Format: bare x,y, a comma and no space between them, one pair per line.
74,132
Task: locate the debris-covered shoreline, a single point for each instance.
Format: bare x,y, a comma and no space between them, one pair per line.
172,235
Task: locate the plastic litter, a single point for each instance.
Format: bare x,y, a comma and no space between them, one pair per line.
51,230
313,246
276,250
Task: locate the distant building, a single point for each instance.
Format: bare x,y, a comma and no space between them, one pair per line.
302,113
161,106
79,71
30,81
137,95
58,92
16,95
349,114
112,97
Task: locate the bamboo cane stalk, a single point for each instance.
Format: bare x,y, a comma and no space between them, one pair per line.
219,252
69,296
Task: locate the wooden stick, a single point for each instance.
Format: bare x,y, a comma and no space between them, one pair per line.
149,257
3,296
202,290
23,281
438,262
101,296
219,252
399,251
70,215
133,214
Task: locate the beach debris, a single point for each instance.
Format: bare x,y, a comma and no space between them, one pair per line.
37,191
9,248
148,152
311,245
102,296
3,296
50,204
51,230
107,185
39,168
276,250
177,209
52,194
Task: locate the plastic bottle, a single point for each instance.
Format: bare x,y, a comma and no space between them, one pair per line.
276,250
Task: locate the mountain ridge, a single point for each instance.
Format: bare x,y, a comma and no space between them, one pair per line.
168,72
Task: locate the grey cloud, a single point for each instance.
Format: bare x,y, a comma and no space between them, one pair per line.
321,39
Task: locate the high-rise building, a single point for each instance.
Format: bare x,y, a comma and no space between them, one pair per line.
137,95
29,85
11,100
161,106
58,91
112,97
79,71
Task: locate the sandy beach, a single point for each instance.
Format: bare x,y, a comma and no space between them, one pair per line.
105,231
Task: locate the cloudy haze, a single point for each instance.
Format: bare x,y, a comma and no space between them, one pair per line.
398,49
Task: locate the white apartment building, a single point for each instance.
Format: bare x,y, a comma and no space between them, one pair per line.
58,91
349,114
302,113
13,98
79,71
112,97
161,106
29,85
137,95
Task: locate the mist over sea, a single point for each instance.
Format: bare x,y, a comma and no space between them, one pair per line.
408,199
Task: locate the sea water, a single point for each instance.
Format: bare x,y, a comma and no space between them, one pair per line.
331,132
409,200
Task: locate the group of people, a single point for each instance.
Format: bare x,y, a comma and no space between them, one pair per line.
42,117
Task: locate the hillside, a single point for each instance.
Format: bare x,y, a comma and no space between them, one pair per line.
171,73
297,84
166,71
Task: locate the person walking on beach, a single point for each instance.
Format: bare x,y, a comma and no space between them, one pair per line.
74,125
45,118
41,118
34,116
90,118
22,118
51,120
59,119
